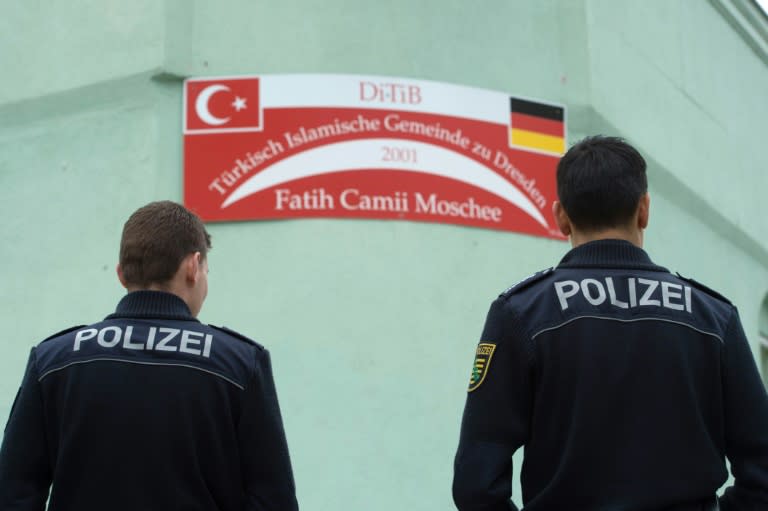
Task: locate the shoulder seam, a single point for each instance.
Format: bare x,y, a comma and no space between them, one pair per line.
701,287
238,335
526,282
62,332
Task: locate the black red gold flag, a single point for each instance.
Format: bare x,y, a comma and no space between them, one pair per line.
537,126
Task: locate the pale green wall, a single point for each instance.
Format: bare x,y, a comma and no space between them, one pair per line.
372,325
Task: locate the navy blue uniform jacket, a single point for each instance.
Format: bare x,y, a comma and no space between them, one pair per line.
627,386
146,410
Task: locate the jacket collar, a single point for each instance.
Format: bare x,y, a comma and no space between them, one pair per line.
152,304
609,254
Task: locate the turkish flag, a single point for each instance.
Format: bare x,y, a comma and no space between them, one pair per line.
222,104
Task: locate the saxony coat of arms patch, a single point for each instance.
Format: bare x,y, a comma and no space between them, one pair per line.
482,363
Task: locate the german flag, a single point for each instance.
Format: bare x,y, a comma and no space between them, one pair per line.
537,126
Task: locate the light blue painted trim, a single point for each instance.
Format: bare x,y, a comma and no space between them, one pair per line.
749,21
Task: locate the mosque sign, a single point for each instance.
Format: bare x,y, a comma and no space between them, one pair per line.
348,146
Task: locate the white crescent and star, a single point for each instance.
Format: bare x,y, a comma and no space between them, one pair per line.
204,112
239,103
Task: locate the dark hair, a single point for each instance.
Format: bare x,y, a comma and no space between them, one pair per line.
600,181
156,238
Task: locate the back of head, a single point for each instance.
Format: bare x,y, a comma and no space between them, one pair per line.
600,182
156,238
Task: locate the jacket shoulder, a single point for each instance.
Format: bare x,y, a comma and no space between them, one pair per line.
238,336
62,332
526,282
701,287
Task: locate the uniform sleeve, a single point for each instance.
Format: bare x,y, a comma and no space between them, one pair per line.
266,465
25,473
746,424
496,415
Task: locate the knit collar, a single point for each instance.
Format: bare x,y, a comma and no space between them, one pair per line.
610,253
152,304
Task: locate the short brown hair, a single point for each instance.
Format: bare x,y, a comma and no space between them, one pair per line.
156,238
600,181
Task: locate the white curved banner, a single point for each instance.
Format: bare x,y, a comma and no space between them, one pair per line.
361,155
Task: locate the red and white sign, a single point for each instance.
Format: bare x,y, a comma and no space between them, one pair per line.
345,146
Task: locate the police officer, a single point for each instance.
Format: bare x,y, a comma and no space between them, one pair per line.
627,385
149,409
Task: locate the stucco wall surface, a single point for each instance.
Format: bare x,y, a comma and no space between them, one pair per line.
371,324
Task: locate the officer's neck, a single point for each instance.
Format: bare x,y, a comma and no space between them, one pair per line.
634,236
175,286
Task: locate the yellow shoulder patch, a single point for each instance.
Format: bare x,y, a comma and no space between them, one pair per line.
482,363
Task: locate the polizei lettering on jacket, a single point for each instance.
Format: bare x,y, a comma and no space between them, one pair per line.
156,339
625,293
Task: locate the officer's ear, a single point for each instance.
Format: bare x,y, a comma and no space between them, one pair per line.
643,211
193,267
120,276
561,217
